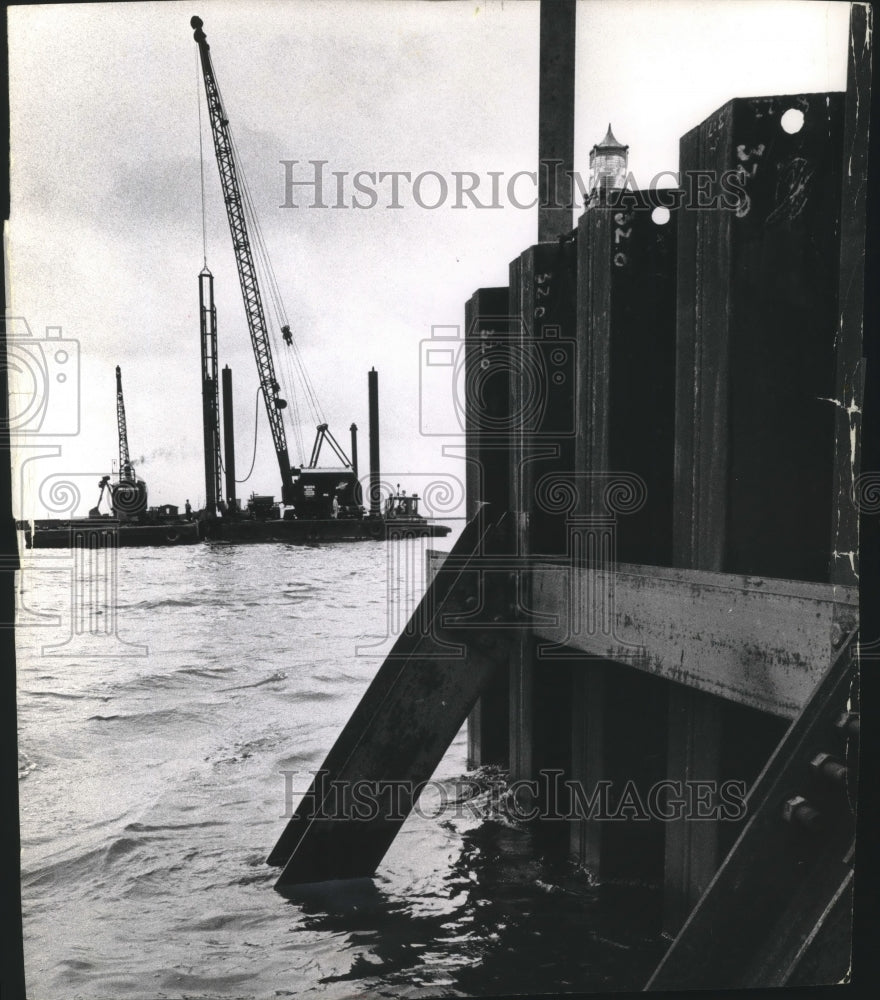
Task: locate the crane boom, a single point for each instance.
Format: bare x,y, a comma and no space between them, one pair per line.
125,471
244,260
128,497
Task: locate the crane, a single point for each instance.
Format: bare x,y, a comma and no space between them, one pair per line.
102,485
129,495
125,470
247,274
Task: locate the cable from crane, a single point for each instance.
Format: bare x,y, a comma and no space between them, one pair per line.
297,373
297,387
201,162
287,376
256,427
263,334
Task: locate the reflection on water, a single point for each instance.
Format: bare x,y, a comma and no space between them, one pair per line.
510,915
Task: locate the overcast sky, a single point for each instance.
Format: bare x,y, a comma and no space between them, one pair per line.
105,236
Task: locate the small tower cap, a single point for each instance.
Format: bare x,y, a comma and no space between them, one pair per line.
610,142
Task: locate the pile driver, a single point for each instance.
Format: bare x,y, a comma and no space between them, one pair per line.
310,492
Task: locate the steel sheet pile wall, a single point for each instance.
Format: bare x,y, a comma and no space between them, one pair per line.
757,329
756,326
692,362
486,392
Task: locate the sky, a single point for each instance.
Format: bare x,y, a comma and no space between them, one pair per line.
105,238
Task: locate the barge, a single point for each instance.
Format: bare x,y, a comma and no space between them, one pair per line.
262,521
101,532
400,519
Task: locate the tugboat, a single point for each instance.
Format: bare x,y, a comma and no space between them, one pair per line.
403,510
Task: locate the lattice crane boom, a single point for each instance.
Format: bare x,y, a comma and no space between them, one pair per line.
244,260
125,470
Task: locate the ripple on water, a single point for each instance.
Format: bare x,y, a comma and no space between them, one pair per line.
145,833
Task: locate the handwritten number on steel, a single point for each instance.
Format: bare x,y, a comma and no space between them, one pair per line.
746,170
622,233
542,290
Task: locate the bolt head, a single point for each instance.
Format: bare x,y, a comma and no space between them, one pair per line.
848,722
791,806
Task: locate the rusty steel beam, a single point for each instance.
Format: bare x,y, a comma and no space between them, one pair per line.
850,364
488,438
543,371
626,352
754,641
757,330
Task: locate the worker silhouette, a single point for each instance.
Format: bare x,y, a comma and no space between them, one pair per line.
288,336
188,510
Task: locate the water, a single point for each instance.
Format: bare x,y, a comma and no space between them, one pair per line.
152,789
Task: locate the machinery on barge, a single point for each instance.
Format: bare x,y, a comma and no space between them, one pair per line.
130,521
315,503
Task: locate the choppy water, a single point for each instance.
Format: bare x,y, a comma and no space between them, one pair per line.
152,790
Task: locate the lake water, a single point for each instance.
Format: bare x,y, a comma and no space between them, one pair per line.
153,787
